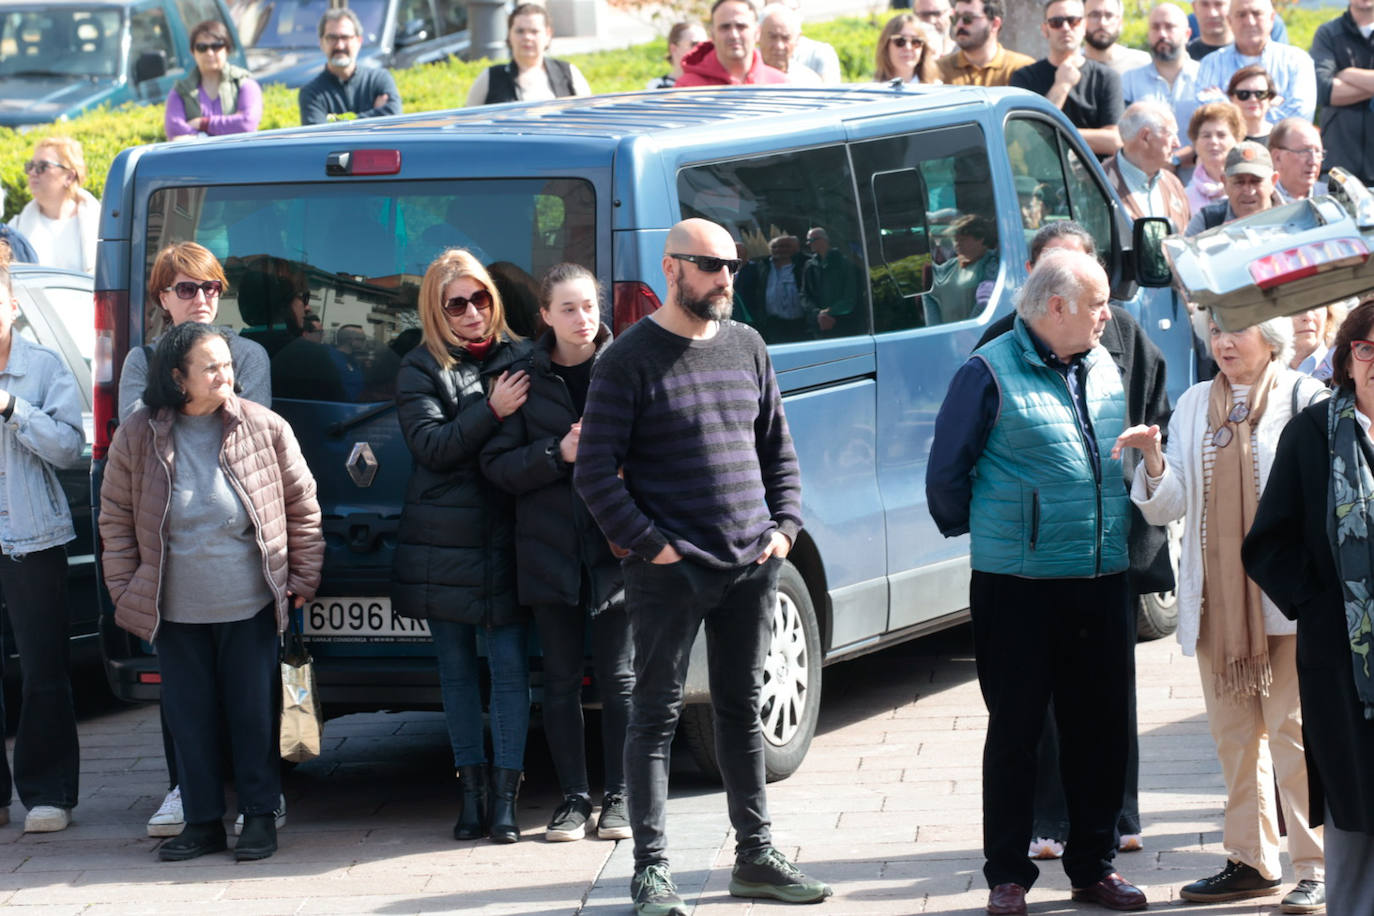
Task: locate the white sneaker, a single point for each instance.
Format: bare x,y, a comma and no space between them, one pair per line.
47,819
1043,847
168,821
280,813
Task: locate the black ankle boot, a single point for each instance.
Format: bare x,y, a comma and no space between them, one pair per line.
259,837
472,823
505,786
194,841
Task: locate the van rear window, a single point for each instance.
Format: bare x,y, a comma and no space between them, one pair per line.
327,277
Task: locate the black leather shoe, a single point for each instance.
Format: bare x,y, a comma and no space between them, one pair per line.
1236,881
1114,892
259,837
505,788
194,841
472,822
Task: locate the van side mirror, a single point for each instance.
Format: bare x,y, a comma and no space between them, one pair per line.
149,66
1147,243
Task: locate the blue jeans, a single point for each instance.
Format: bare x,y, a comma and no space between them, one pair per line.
460,683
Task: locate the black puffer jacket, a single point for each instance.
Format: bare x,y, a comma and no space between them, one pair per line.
455,545
556,539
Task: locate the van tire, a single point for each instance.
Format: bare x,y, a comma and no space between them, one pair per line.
791,688
1157,615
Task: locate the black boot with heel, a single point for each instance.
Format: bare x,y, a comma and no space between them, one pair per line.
472,823
505,787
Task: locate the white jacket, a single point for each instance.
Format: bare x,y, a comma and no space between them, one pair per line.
1179,493
87,223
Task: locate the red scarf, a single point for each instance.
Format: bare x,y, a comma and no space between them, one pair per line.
480,348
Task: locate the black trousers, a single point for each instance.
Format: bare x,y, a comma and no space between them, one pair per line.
667,605
562,639
231,670
1075,633
47,759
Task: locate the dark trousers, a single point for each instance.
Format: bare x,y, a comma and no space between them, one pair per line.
666,605
562,638
211,670
47,759
1051,808
1075,633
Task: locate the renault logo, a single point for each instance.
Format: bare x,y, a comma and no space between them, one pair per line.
362,464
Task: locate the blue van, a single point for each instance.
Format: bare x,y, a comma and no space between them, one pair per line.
327,228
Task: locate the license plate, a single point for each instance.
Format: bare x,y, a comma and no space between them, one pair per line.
360,620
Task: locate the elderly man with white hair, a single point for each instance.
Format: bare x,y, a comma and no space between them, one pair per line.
779,34
816,55
1139,170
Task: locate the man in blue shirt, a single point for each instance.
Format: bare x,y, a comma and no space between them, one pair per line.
1171,75
1290,68
343,88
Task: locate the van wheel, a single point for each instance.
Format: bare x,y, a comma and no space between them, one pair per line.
791,698
1157,615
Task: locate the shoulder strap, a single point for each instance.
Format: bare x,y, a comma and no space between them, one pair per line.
1320,394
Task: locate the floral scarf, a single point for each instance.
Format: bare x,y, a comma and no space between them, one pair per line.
1350,499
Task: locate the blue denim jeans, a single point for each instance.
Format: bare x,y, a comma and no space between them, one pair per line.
460,683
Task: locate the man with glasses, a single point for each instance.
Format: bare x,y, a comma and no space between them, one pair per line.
937,14
731,57
1103,32
1344,57
1089,93
1296,148
1290,68
343,88
686,463
980,59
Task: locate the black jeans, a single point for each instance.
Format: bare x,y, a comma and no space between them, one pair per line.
47,759
562,638
667,604
229,669
1073,633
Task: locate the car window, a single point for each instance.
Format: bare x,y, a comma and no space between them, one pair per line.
327,277
150,34
1052,180
453,16
787,196
194,12
75,308
295,23
60,41
931,224
414,18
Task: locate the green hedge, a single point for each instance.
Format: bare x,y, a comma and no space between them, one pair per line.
103,134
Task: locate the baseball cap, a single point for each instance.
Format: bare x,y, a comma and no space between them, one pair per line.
1249,158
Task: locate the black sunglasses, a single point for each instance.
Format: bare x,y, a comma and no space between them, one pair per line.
458,305
187,289
966,18
203,46
1258,95
709,265
902,41
1058,22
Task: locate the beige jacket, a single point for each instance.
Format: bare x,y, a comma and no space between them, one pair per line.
265,466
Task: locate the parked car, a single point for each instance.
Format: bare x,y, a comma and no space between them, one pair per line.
598,181
59,58
283,40
56,309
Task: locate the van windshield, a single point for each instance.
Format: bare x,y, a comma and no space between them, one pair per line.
60,41
327,277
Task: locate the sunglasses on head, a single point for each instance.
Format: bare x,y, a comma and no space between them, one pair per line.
1058,22
458,305
902,41
203,46
39,166
1258,95
709,265
187,289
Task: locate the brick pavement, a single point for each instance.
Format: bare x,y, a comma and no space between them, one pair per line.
886,808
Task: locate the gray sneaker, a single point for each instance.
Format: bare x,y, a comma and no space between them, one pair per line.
767,873
614,822
1308,897
655,894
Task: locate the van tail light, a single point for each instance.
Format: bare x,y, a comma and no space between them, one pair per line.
111,336
632,301
1305,260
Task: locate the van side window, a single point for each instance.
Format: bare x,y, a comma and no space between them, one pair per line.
1053,182
794,221
194,12
413,19
930,218
150,35
453,16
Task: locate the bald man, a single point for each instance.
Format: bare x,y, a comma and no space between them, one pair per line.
1171,75
686,463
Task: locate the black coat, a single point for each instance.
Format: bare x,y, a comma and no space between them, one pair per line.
556,540
455,551
1287,554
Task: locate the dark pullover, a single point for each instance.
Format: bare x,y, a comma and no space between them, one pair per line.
698,427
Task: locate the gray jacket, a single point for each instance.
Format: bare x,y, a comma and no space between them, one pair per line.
43,432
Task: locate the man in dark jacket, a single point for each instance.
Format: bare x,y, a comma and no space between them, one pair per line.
1344,59
830,287
342,87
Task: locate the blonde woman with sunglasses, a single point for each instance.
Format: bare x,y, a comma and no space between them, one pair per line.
60,221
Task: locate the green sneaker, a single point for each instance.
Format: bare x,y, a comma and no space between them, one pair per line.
768,874
654,892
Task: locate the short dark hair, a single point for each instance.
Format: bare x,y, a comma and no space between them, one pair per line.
976,226
163,390
529,9
214,30
1061,229
992,9
749,3
1357,326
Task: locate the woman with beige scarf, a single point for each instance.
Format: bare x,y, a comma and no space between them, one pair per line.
1222,439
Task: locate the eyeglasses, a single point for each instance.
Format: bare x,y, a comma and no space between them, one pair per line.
1363,350
966,18
709,265
902,41
334,38
458,305
1258,95
1307,152
304,296
216,46
39,166
1223,436
187,289
1058,22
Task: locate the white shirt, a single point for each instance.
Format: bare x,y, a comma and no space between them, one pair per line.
57,242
